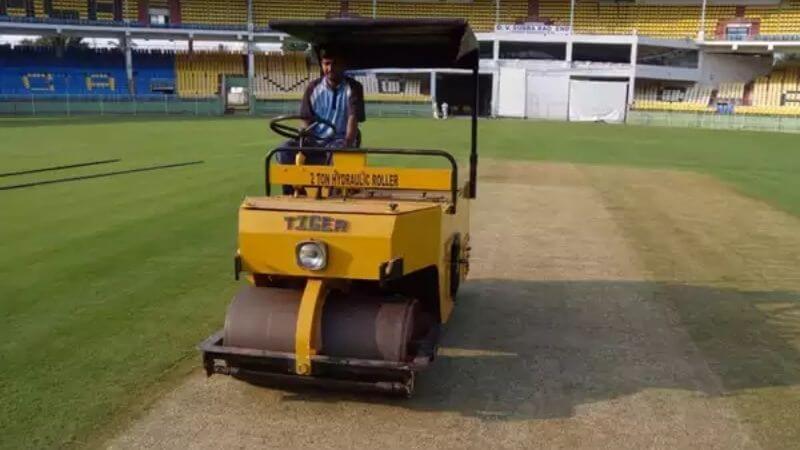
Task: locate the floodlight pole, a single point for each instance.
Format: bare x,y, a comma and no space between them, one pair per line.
572,16
251,60
473,154
496,13
374,8
701,33
250,16
126,48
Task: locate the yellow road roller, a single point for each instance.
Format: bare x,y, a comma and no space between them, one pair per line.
351,278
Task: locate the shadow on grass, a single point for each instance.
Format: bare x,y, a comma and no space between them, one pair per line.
517,350
98,175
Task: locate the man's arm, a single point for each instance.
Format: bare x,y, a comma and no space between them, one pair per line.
352,131
356,113
306,111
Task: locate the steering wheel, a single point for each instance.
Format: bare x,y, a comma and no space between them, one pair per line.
288,131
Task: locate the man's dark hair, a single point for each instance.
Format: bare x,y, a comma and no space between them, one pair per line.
330,52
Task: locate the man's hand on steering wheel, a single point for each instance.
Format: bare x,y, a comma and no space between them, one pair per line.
278,126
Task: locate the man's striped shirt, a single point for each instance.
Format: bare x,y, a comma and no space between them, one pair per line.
334,105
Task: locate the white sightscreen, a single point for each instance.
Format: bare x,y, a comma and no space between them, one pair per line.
511,93
547,96
594,101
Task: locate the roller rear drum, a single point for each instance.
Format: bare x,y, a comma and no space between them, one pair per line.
352,326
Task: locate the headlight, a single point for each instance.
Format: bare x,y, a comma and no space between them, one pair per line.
312,255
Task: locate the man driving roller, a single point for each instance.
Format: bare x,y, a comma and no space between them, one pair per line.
334,98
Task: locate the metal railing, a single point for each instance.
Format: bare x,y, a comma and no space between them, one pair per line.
712,120
69,105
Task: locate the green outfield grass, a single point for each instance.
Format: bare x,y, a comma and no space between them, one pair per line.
107,284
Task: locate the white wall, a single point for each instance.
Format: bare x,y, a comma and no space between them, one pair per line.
511,95
593,101
547,96
667,73
718,68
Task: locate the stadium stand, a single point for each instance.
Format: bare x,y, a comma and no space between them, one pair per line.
731,92
154,73
667,21
38,8
781,21
664,97
264,11
282,75
68,9
480,13
776,93
130,10
392,87
39,70
197,75
216,12
15,9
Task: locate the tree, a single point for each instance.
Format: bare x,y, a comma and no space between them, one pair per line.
60,43
293,45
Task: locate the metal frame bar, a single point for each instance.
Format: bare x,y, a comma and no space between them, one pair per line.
215,348
382,151
473,153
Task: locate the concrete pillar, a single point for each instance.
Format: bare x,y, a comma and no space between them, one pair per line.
632,76
250,16
433,87
568,55
126,47
251,73
495,90
701,33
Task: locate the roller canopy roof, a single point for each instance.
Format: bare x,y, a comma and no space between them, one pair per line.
390,43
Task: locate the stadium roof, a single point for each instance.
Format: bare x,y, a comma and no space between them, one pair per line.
395,43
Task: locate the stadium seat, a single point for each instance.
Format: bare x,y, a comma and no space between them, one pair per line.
731,92
779,20
282,75
214,12
264,11
663,97
130,10
776,93
480,13
154,73
392,88
668,21
286,76
69,9
39,70
197,75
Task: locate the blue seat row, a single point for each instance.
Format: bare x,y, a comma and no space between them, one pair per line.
83,71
